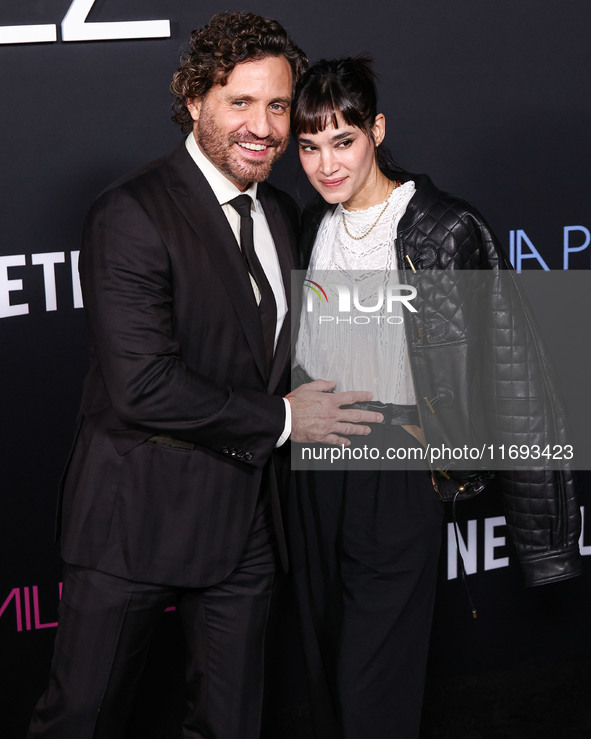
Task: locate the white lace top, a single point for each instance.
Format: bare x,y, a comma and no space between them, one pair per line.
363,348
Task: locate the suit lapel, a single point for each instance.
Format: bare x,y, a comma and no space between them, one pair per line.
195,199
285,247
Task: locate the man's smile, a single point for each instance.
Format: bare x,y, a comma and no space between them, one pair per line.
252,147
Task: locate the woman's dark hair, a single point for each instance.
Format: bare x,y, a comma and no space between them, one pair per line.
227,40
346,86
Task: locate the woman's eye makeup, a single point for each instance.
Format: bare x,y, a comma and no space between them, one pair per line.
340,143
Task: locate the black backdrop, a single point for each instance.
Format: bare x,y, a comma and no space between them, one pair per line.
491,98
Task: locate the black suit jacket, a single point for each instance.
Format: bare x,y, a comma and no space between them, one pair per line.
176,350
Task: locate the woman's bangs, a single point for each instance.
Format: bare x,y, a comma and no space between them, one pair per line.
312,118
321,104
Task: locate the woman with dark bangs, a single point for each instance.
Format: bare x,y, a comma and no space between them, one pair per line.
365,542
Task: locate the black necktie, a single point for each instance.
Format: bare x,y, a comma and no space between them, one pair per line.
267,306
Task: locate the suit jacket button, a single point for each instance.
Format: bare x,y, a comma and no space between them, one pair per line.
232,452
248,456
225,450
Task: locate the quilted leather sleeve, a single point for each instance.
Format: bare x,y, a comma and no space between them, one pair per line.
482,370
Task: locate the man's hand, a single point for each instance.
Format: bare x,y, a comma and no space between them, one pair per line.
317,416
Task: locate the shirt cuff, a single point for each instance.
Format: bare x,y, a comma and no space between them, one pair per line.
287,428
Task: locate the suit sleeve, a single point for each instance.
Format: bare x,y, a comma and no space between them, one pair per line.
127,287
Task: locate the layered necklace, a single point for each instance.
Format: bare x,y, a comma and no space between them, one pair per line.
395,184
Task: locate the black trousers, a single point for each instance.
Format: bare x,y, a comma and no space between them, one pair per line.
105,629
365,547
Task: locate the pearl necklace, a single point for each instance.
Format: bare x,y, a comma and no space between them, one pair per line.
395,184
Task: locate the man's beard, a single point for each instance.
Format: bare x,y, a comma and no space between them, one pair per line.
221,151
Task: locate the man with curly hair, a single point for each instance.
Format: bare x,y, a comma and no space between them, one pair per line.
170,492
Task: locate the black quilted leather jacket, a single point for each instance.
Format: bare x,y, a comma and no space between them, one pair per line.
468,353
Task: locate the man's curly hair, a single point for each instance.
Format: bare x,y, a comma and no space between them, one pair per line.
227,40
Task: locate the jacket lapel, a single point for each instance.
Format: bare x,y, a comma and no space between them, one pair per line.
195,199
285,246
